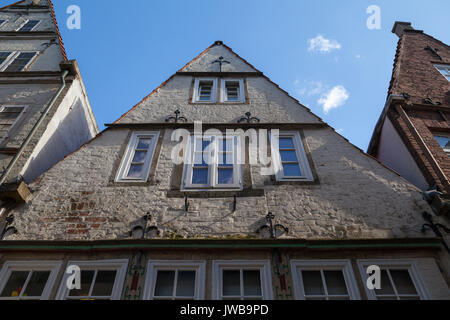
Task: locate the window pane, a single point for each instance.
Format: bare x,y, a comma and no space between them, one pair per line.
37,283
29,25
135,171
199,176
186,284
225,176
252,283
4,56
286,143
139,156
231,283
444,142
104,283
15,284
386,287
312,282
144,144
292,170
164,283
288,156
403,282
226,159
335,283
20,62
86,281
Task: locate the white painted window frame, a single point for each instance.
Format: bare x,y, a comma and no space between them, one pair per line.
3,23
153,266
129,154
262,265
7,60
195,95
326,265
224,93
120,265
16,122
13,57
26,21
444,69
10,266
301,155
212,184
409,265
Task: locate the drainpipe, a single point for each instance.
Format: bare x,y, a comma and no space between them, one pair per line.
35,128
424,146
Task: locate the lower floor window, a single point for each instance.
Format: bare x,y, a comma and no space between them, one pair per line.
400,280
242,280
175,280
27,280
324,280
100,280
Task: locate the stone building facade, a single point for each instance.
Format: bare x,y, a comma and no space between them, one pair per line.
148,210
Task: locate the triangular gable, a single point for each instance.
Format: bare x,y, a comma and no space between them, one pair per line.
203,63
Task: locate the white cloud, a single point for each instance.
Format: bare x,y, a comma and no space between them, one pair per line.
334,98
322,44
358,56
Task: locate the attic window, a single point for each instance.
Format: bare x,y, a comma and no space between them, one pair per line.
16,62
444,70
205,90
233,90
2,22
29,25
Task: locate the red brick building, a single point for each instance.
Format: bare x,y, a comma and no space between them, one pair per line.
412,135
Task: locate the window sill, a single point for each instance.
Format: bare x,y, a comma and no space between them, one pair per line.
216,194
274,182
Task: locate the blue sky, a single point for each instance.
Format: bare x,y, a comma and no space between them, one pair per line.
127,48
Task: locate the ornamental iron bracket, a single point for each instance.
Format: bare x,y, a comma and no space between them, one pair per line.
249,119
272,228
177,118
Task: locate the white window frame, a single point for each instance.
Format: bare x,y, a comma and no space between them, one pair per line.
26,21
7,60
409,265
10,266
326,265
129,154
224,93
196,97
213,184
153,266
13,57
119,265
301,156
444,69
16,122
262,265
3,23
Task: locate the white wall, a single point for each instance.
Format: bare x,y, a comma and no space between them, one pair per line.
394,154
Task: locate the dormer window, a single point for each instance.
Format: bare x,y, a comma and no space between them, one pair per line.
205,90
233,90
29,25
444,70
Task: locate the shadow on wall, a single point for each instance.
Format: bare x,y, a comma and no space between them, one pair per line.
71,133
